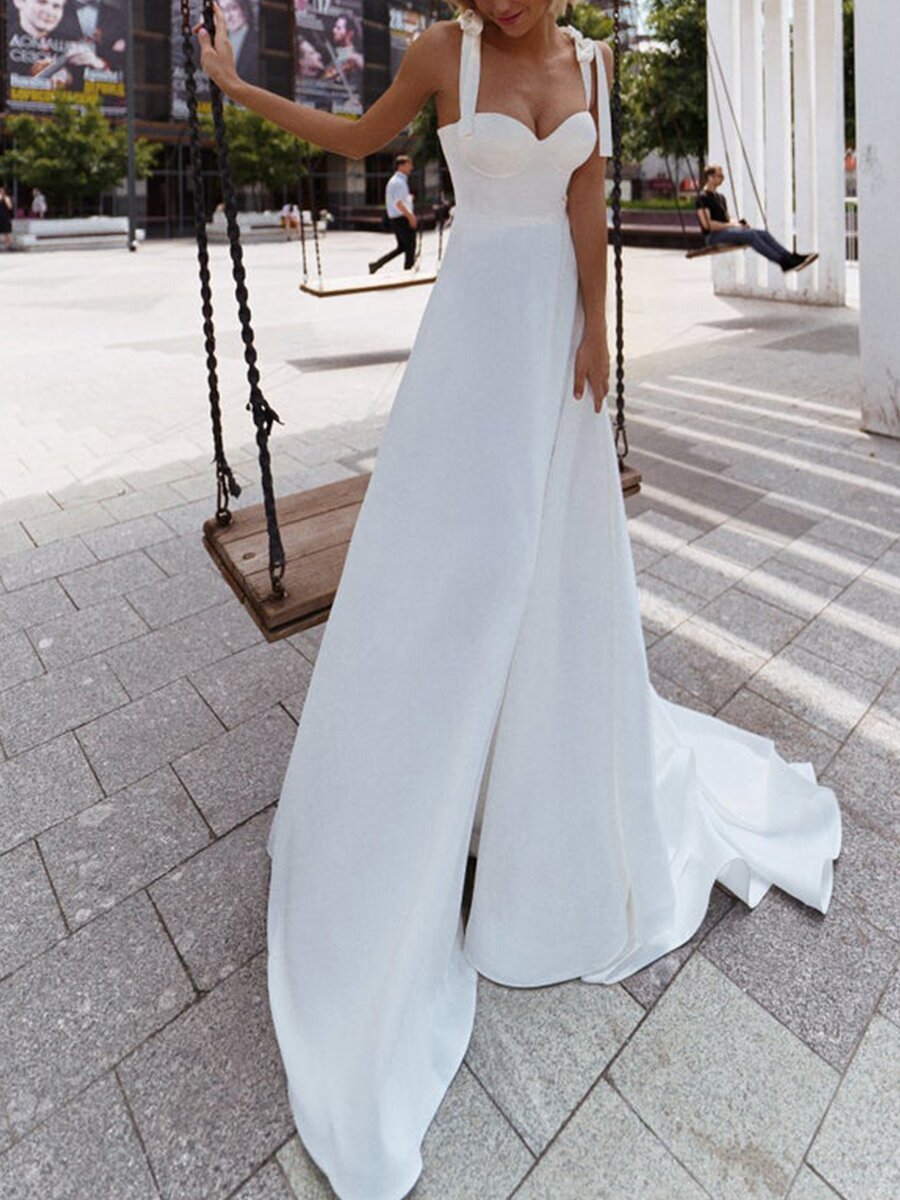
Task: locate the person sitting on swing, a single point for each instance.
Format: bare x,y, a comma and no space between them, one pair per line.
720,230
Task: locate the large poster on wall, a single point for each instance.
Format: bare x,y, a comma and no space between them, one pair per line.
242,23
64,48
406,24
330,59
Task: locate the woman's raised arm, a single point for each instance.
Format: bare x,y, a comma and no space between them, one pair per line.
419,77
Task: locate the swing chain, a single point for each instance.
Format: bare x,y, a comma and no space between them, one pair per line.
226,484
264,416
621,433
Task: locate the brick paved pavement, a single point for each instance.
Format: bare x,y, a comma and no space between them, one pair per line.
144,727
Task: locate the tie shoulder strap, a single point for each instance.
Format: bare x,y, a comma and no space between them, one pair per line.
588,52
471,24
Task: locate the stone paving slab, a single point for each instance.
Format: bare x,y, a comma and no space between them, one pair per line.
170,600
857,1149
809,1186
865,771
700,1072
208,1092
19,661
126,536
158,658
146,734
866,876
107,851
740,617
43,786
859,630
538,1051
606,1150
114,577
43,708
795,740
706,664
268,1183
80,635
214,905
820,976
890,1001
34,565
248,683
67,523
180,555
88,1150
33,604
815,689
69,1015
237,774
30,919
782,583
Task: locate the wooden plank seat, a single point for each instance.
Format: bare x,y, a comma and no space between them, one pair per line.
316,526
352,285
704,251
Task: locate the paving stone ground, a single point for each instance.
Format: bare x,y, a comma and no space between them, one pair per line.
145,726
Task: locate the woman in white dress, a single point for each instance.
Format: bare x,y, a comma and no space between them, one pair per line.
483,667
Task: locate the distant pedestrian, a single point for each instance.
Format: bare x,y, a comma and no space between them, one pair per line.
38,204
6,217
290,220
400,215
720,230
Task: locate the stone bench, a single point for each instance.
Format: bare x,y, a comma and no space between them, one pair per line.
260,226
68,233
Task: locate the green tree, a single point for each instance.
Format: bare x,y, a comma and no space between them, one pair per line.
590,21
74,157
664,86
260,154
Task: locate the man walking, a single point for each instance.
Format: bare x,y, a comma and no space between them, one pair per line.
720,229
400,215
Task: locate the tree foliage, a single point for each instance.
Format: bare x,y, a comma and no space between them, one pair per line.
74,157
590,21
664,85
261,154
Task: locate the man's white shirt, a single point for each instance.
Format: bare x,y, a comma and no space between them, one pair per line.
397,192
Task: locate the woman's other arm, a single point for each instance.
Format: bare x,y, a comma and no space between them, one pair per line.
421,74
587,218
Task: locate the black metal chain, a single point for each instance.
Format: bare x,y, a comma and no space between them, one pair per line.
264,416
226,484
621,432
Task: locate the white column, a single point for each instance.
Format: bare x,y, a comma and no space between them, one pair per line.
831,275
779,171
878,158
723,20
749,108
805,147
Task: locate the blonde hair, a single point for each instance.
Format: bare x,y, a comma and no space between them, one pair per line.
557,7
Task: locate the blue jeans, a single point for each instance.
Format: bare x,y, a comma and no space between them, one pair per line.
759,240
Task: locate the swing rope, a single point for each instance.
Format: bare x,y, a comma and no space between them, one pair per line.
717,64
264,417
226,484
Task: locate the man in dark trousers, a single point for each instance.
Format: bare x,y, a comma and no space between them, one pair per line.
720,229
399,204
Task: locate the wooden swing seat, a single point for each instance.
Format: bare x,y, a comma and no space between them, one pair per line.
704,251
316,526
353,285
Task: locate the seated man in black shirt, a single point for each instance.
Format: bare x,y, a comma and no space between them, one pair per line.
719,229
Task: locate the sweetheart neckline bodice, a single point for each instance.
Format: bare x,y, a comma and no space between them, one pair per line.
581,112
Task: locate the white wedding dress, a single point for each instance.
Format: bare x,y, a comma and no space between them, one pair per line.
486,642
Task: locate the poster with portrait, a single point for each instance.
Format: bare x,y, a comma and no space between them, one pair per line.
330,60
406,23
242,22
63,48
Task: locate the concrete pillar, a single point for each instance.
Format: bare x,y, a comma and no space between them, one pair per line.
752,119
779,176
878,158
831,238
723,21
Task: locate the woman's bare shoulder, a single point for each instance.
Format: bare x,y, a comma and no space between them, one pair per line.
428,56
